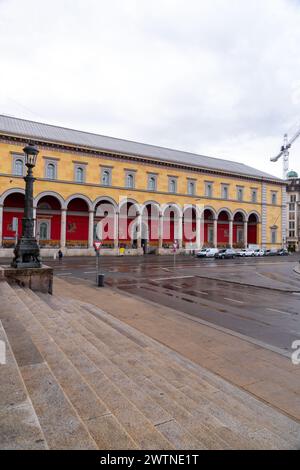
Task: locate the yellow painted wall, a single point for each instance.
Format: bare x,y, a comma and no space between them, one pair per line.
66,186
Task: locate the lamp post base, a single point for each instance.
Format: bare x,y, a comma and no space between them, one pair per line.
26,254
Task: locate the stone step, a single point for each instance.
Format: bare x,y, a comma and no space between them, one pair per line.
126,381
137,425
284,429
234,439
20,427
122,364
187,406
241,402
101,424
57,418
142,399
282,432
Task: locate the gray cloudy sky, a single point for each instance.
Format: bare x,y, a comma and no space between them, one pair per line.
217,77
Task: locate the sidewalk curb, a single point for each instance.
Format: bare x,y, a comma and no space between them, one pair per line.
296,268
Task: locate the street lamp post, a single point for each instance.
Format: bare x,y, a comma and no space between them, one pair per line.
27,252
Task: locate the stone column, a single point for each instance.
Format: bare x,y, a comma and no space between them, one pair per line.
116,230
160,230
139,231
63,228
230,226
246,233
91,228
215,233
179,231
264,216
1,224
284,232
198,232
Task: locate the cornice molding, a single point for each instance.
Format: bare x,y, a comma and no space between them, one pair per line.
129,158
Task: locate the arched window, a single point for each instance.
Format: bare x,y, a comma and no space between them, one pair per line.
191,188
19,167
130,180
151,183
106,178
51,171
172,186
79,174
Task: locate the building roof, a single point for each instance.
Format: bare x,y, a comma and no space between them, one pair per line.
13,126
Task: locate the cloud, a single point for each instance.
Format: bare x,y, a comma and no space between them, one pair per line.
220,78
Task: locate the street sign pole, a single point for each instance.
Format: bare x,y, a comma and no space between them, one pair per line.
97,265
174,250
97,246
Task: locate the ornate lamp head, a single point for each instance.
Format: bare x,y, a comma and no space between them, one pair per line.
31,153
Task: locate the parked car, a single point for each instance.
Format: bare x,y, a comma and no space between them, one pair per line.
226,254
211,252
259,252
240,252
283,252
202,253
249,252
272,252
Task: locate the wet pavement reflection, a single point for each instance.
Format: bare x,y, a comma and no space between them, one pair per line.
259,298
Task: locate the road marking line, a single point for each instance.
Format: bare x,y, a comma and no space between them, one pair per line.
63,274
200,292
278,311
233,300
89,272
167,278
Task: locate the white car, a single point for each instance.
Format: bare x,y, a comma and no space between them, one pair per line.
211,252
241,252
259,252
202,253
249,252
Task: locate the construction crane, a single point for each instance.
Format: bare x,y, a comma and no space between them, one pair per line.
284,152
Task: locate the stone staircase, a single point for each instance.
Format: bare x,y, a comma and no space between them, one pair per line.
78,378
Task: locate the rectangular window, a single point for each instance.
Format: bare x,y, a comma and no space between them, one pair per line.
293,198
291,215
291,206
225,191
254,195
106,176
172,184
130,179
291,225
191,187
273,235
50,169
292,234
79,172
152,182
240,235
18,165
239,193
274,197
208,189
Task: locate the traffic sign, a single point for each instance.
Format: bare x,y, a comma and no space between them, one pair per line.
97,245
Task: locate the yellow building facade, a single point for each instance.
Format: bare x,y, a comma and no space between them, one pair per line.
83,179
